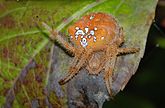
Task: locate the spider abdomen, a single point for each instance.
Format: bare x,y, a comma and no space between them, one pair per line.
95,31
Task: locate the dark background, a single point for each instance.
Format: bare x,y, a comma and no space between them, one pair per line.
146,89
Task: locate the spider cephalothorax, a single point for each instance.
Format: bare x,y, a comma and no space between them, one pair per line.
96,40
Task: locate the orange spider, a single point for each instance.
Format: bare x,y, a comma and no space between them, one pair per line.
96,40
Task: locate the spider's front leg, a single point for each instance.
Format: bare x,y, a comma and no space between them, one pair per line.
120,40
77,63
54,35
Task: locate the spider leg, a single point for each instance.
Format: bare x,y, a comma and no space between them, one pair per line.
74,69
120,40
109,67
127,50
108,74
54,35
72,72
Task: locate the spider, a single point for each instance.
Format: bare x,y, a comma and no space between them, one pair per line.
96,43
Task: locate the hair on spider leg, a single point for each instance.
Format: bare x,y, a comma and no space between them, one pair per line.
64,36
